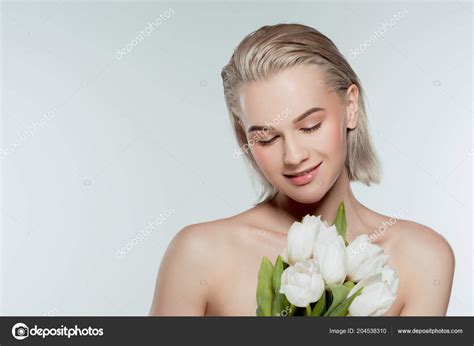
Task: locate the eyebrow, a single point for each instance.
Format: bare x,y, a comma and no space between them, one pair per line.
299,118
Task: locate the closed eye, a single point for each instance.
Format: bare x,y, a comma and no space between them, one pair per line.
305,130
270,141
311,129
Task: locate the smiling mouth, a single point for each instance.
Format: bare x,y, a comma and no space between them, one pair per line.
303,172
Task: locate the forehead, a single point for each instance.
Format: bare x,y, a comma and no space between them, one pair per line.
297,88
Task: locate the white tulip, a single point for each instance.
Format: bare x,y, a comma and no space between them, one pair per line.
375,299
389,275
302,284
301,238
313,222
330,251
364,258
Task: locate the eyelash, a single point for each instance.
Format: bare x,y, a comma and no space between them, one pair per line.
305,130
311,129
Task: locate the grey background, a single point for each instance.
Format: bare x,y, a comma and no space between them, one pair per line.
134,137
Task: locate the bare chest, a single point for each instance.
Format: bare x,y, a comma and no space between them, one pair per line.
233,292
234,289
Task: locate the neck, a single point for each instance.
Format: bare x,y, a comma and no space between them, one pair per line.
327,206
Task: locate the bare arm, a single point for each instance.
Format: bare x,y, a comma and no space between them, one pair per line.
181,286
430,267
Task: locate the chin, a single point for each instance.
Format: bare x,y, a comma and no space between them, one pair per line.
306,194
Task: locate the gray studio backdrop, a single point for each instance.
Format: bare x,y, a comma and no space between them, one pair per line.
115,135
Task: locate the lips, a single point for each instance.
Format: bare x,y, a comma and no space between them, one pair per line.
301,173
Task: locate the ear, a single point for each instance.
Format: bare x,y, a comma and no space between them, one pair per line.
352,106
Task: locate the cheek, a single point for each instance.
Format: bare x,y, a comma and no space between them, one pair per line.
264,158
334,138
337,137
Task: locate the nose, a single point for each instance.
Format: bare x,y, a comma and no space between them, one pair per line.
294,152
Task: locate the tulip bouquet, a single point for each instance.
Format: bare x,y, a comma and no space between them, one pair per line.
320,274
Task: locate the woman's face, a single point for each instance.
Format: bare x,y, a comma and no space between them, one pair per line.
294,123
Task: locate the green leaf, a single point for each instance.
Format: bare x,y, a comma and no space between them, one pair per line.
293,309
343,308
280,303
277,271
339,293
340,222
281,306
264,287
349,284
320,306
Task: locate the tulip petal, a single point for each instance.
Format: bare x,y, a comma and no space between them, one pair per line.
375,299
301,283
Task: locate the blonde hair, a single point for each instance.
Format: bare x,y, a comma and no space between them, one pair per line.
274,48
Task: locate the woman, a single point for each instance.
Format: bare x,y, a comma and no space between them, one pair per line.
297,110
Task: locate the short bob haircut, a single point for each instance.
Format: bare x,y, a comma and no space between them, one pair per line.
274,48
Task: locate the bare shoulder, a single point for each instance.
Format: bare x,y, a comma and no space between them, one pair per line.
190,268
212,239
406,238
422,244
425,261
250,232
205,236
